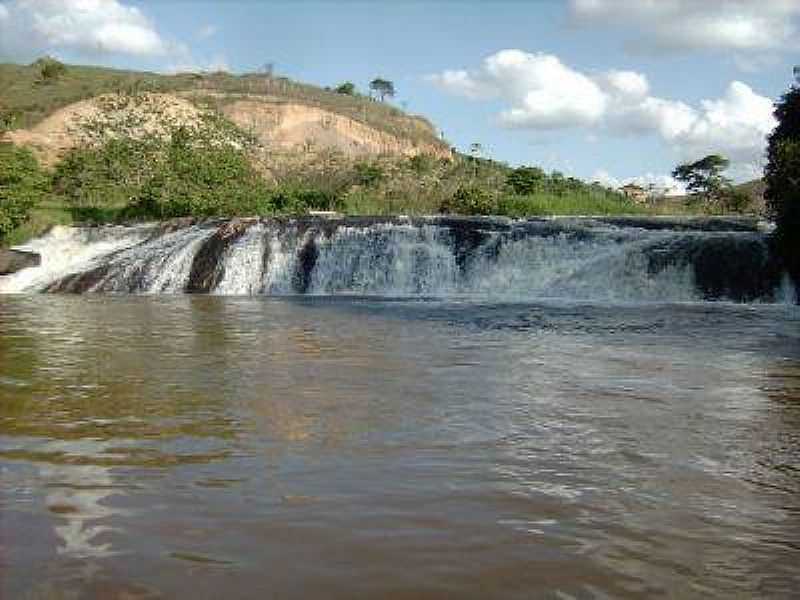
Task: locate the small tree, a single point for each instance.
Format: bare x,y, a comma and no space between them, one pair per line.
50,69
22,185
347,88
703,178
475,149
470,200
6,120
368,175
382,88
525,180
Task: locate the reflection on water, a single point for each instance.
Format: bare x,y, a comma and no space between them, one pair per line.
237,448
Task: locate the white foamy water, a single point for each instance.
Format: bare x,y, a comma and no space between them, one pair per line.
389,260
243,265
485,260
66,250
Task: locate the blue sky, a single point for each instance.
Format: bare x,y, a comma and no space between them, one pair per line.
609,89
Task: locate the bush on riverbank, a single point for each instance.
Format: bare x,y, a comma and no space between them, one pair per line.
22,186
189,174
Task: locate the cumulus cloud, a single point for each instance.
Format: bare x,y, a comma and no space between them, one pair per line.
543,93
91,27
662,184
740,25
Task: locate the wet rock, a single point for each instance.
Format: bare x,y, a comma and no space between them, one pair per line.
734,267
12,261
306,261
79,283
208,266
733,223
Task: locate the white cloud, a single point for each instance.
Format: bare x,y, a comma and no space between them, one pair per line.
662,184
744,26
90,27
3,12
464,84
629,85
543,93
738,122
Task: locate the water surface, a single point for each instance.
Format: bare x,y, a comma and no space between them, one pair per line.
223,447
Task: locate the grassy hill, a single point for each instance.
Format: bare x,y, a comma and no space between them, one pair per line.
28,99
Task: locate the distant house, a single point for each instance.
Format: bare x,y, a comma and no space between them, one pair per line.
635,192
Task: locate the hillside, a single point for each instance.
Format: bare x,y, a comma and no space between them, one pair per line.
753,189
282,114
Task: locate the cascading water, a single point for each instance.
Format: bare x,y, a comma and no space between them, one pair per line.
618,259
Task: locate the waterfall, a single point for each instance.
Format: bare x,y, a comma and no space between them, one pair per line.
494,259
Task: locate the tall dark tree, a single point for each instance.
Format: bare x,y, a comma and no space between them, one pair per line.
704,178
782,177
382,88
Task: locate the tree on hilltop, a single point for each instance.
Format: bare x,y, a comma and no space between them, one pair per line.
382,88
348,88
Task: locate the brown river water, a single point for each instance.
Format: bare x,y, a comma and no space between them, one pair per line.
223,447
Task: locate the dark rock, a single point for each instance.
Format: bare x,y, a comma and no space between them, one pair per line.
306,261
208,268
732,223
12,261
79,283
735,267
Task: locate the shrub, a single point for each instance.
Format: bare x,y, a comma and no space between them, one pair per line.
50,69
191,173
470,200
22,186
422,164
347,88
734,200
7,119
525,180
95,182
368,174
200,180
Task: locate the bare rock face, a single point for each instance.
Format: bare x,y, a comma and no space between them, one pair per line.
12,261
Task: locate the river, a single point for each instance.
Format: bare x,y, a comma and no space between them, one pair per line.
224,446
